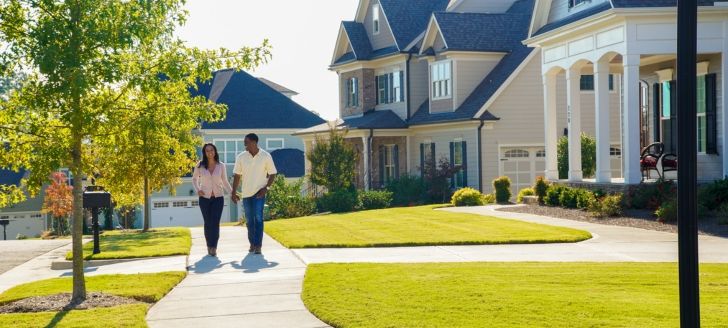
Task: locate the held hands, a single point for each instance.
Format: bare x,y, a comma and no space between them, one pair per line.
201,193
235,198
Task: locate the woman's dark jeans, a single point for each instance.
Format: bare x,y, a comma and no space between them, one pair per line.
211,213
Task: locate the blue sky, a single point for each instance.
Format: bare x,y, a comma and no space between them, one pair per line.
303,34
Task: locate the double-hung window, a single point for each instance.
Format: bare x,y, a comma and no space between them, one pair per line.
375,19
228,149
388,164
458,158
352,92
441,77
389,88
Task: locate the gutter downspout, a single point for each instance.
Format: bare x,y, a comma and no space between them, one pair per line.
369,158
407,87
480,155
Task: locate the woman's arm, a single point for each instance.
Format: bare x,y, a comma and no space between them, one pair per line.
225,183
196,178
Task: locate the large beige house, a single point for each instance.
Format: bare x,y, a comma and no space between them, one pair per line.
492,84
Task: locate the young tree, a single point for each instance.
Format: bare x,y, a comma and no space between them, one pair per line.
58,202
437,178
333,162
84,84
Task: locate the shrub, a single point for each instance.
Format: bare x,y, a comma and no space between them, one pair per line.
525,192
373,200
610,205
584,198
21,236
568,197
333,161
588,156
540,188
553,195
502,188
285,200
650,196
667,212
714,195
489,199
338,201
467,197
407,190
437,179
722,214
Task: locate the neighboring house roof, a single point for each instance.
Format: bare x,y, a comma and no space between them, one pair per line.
254,105
655,3
573,18
407,19
465,31
10,177
277,87
289,162
494,80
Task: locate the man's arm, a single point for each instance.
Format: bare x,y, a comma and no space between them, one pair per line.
261,193
236,184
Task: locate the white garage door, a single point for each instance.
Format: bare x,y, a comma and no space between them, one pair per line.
180,213
522,165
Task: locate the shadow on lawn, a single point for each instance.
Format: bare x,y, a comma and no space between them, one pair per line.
56,319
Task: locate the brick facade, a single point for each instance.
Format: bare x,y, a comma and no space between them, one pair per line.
367,92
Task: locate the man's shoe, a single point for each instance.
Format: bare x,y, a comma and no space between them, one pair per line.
213,251
257,250
251,249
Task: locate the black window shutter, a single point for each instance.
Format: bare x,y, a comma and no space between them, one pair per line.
395,158
452,163
571,3
381,165
710,114
432,154
376,87
657,113
464,151
422,160
387,86
347,93
673,116
401,86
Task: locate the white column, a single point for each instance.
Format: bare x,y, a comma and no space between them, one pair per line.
601,99
365,154
631,120
573,103
549,95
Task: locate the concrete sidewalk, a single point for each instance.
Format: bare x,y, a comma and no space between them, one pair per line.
236,289
610,244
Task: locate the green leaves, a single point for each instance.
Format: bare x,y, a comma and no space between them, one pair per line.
333,162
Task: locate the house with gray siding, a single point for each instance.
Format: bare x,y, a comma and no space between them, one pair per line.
426,80
25,218
255,105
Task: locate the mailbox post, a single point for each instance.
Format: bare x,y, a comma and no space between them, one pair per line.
5,223
94,198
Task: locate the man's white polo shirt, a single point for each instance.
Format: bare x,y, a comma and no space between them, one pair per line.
254,171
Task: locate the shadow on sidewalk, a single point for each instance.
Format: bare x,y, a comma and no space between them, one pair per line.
254,263
206,264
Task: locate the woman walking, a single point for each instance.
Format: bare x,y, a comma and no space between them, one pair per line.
210,182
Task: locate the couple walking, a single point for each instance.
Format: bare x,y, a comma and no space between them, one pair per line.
255,168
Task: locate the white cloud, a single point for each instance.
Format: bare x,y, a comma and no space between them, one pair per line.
302,32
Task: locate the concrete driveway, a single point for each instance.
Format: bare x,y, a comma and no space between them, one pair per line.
17,252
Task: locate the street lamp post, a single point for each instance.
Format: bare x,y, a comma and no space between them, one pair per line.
687,209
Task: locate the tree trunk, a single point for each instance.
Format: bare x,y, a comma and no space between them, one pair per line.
79,284
147,205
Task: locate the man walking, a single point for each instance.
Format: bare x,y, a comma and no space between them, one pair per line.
256,168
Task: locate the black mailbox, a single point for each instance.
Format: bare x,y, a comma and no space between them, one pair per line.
96,199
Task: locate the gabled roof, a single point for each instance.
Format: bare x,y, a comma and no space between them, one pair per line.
289,162
407,19
517,54
465,31
380,119
614,4
254,105
358,39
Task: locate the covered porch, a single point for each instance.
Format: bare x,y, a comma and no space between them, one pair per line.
639,62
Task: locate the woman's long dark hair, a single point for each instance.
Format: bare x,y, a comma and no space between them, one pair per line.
204,162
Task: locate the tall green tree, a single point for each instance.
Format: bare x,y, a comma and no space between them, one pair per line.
85,84
333,161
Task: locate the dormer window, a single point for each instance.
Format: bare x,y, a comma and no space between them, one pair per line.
441,80
375,18
574,3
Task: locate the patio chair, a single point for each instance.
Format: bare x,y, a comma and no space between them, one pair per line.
668,162
649,158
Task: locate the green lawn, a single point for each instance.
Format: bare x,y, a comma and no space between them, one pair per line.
148,288
413,226
135,244
508,295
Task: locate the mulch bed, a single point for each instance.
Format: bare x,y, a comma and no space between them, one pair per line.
642,219
62,302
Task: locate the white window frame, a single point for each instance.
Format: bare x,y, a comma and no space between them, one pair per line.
157,205
700,92
180,203
223,151
389,165
269,148
376,22
393,90
441,86
352,92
